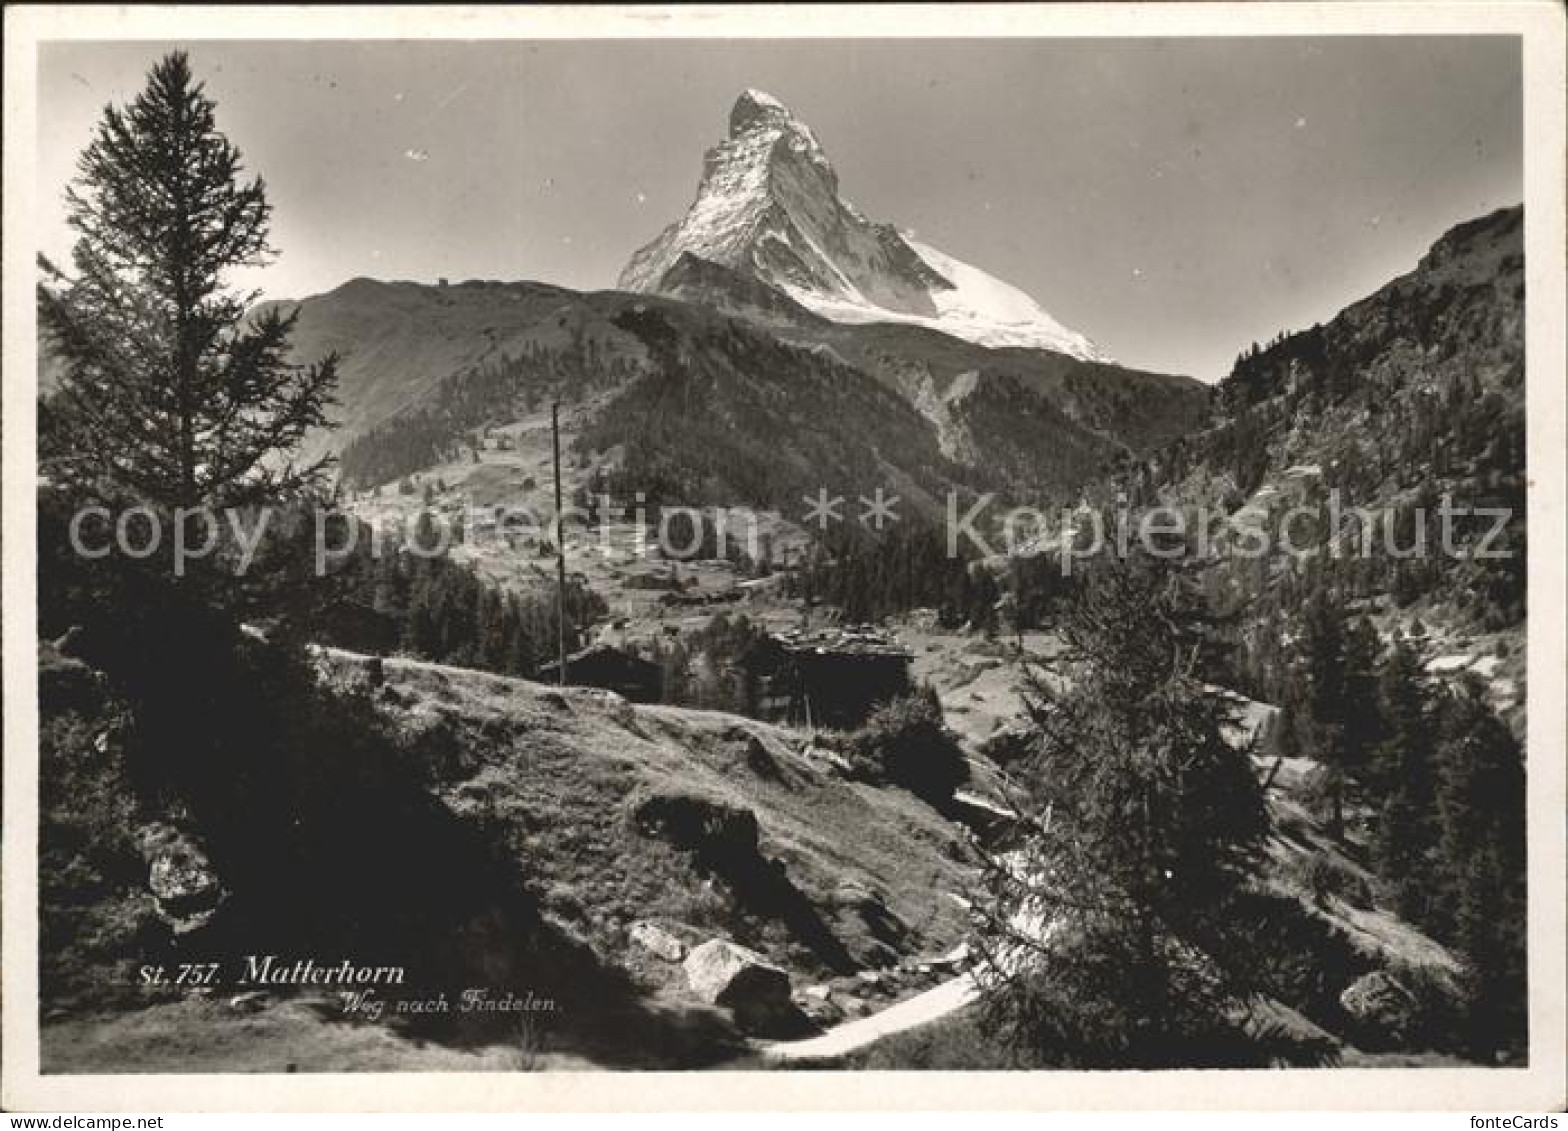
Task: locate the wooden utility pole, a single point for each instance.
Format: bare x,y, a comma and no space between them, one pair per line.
560,549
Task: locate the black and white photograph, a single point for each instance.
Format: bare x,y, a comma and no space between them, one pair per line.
654,549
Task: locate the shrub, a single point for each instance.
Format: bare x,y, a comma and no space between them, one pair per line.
1322,878
96,919
716,831
905,743
1446,1008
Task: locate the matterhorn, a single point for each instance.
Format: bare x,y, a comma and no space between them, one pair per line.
769,206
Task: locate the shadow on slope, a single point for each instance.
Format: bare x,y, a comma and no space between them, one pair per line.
279,815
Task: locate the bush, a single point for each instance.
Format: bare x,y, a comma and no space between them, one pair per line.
905,743
314,808
1322,878
1074,1012
1302,959
1443,1006
96,918
716,831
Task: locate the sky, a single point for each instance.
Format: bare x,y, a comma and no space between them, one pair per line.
1174,199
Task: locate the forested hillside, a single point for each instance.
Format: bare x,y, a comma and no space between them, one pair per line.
426,369
1410,396
1382,458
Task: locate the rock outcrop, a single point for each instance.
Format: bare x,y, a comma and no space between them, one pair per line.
183,882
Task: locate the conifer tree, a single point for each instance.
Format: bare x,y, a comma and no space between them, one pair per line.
1405,829
168,394
1105,938
1325,735
1361,710
1481,853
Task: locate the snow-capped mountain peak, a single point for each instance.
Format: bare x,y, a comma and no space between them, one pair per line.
768,205
754,106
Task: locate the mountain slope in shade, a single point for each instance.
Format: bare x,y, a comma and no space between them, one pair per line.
768,205
1064,413
399,340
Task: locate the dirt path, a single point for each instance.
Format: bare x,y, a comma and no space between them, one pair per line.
911,1013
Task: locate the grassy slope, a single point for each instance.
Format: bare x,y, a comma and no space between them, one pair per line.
561,772
555,776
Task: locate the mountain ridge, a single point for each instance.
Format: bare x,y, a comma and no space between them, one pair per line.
436,361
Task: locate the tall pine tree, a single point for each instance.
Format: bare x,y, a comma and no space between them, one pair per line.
168,395
1105,941
1481,853
1405,830
1320,717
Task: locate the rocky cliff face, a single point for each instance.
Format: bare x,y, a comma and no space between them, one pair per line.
768,206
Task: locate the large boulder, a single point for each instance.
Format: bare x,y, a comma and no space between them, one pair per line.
186,889
747,984
1383,1009
818,1004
